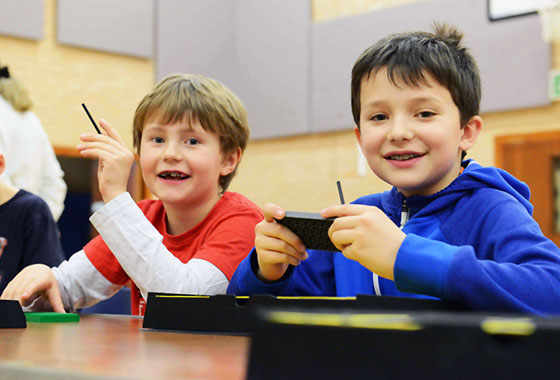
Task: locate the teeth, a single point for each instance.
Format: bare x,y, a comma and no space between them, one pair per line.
173,175
403,157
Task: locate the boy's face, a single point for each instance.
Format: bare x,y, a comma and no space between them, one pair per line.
181,163
411,136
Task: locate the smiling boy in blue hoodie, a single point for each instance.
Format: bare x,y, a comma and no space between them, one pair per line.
449,228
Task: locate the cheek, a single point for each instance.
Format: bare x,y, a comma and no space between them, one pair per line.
143,160
145,169
437,138
371,143
204,158
147,162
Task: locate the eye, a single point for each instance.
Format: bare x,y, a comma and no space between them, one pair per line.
192,141
379,117
157,140
426,114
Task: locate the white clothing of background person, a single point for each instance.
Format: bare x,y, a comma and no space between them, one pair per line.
31,162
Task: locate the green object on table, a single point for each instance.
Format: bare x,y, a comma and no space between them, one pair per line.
52,317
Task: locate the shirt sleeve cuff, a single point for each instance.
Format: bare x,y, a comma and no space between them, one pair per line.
117,205
282,286
422,266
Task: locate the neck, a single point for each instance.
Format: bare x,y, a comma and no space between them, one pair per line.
180,219
7,192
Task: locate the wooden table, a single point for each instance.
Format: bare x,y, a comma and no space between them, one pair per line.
104,346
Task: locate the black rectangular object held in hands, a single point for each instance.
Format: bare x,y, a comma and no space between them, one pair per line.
312,229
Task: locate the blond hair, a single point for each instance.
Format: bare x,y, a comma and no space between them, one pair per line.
15,93
195,97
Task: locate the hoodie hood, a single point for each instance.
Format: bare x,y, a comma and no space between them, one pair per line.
474,176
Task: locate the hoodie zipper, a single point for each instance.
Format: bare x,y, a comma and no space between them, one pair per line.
405,215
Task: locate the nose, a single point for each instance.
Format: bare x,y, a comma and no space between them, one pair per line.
172,152
399,131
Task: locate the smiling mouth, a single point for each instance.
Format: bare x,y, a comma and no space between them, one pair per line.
403,157
173,176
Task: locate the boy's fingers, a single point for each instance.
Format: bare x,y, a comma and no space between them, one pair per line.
104,140
14,290
27,298
272,211
96,153
99,146
53,296
275,257
6,294
28,291
341,238
343,223
281,233
279,246
344,210
111,132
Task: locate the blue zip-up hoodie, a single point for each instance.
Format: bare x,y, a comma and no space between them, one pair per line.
474,243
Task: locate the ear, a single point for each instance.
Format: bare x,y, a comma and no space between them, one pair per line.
470,132
358,137
230,162
2,163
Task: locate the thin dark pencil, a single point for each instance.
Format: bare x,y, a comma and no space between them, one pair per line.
340,192
91,118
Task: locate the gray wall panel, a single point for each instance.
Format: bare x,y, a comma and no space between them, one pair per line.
514,62
259,48
513,75
336,46
272,49
196,36
294,76
123,26
22,18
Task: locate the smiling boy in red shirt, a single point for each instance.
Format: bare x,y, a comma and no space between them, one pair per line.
190,132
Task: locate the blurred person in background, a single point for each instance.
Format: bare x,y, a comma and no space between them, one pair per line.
32,163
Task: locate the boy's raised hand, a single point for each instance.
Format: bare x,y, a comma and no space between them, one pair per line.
115,160
276,245
33,282
365,234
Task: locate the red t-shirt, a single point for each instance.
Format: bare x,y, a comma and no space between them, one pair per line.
223,238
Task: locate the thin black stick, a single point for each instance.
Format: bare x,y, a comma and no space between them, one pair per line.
91,118
340,192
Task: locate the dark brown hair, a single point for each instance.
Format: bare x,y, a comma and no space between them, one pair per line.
408,56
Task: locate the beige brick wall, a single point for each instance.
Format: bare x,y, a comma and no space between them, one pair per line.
299,173
324,10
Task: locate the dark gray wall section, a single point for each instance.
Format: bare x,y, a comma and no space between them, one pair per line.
272,51
196,36
514,62
258,48
513,58
123,26
22,18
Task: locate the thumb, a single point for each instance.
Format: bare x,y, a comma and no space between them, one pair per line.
272,211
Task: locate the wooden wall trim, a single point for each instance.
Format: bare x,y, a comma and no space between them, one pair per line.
502,141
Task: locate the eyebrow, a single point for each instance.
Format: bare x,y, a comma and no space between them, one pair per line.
422,99
419,99
156,127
